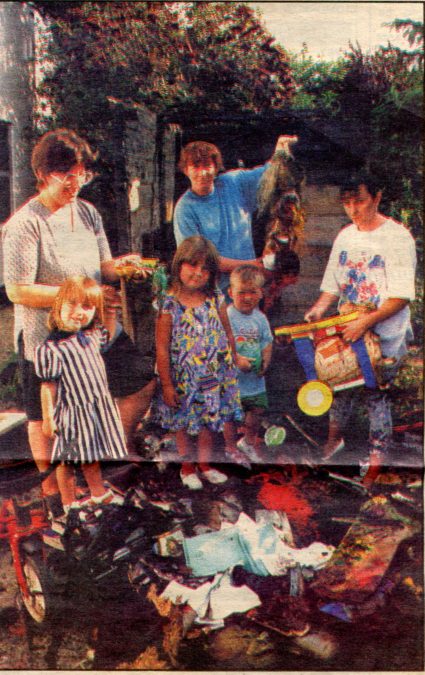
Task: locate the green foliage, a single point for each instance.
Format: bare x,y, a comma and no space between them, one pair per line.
317,83
391,83
191,57
10,384
381,96
186,59
413,31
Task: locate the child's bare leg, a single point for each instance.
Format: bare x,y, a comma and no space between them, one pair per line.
41,448
230,437
185,448
205,451
205,446
66,483
232,450
252,425
93,475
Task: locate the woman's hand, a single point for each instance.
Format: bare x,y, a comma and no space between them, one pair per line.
170,396
357,328
314,314
322,304
111,300
49,427
133,266
285,143
144,273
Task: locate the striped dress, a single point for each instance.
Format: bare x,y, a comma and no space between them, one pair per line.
88,423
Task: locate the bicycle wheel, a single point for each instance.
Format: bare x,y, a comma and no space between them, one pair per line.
37,601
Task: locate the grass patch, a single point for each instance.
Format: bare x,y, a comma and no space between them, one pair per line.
10,384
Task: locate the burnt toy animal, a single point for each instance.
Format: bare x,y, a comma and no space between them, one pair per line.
279,225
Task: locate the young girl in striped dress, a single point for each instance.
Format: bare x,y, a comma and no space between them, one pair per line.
78,410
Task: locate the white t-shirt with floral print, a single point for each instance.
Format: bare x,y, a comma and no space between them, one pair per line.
370,267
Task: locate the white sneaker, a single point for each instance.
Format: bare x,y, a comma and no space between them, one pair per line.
249,450
213,476
109,497
191,481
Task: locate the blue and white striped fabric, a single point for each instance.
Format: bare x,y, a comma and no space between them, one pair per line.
87,419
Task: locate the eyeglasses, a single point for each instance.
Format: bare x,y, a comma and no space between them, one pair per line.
82,178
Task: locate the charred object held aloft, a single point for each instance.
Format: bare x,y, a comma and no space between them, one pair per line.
280,218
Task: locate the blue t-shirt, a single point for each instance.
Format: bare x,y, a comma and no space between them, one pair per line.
252,334
224,217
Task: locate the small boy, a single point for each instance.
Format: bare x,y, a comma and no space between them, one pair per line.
254,340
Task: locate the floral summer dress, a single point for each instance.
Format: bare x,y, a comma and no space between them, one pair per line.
202,369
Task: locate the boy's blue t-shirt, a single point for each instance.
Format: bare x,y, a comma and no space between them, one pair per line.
252,334
224,217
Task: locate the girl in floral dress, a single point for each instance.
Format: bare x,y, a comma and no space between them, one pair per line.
194,342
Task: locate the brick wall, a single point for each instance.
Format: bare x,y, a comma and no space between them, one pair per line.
324,218
144,183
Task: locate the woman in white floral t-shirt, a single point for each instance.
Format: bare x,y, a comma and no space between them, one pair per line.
372,262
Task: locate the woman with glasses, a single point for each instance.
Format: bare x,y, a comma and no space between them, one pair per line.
53,236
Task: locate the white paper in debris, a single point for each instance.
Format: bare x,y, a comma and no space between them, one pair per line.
219,598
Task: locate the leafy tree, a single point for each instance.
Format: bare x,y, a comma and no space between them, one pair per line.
381,96
187,59
317,82
396,122
190,57
413,31
392,88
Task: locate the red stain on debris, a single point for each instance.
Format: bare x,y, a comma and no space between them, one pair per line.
286,498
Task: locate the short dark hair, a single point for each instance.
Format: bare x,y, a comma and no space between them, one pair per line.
352,183
192,250
59,150
200,152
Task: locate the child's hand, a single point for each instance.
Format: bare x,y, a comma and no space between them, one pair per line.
243,363
170,396
49,427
